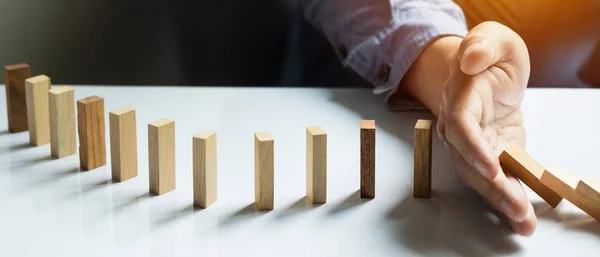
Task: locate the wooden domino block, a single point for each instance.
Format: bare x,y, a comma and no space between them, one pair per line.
316,165
263,171
38,115
576,191
16,103
62,121
516,161
161,155
92,142
204,152
422,159
367,159
123,144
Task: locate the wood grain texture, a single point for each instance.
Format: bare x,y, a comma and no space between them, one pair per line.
422,159
516,161
123,144
92,141
62,122
263,171
204,154
316,165
367,159
571,188
38,114
16,103
161,156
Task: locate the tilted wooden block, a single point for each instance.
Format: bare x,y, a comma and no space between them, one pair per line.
62,122
316,165
367,159
16,103
92,142
123,144
263,171
516,161
205,168
567,185
422,159
38,115
161,155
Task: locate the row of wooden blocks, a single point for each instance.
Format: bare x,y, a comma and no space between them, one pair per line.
49,115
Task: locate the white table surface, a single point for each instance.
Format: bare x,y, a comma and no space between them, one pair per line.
50,208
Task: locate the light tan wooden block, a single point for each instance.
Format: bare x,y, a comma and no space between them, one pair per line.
62,122
38,115
123,144
367,159
161,155
92,141
568,186
204,152
16,103
316,165
263,171
516,161
422,159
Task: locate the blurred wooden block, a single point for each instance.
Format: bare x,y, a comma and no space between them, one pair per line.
92,141
263,171
204,152
62,121
38,115
422,159
568,186
367,159
16,103
161,155
516,161
316,165
123,144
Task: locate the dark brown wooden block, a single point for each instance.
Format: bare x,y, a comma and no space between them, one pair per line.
367,159
16,101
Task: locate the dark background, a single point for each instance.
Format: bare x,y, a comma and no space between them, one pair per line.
119,42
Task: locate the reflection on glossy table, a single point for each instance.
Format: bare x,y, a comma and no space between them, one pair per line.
50,208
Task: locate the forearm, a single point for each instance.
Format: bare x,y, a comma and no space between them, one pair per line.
425,79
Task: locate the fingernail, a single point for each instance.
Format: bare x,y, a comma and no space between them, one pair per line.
483,169
472,48
508,209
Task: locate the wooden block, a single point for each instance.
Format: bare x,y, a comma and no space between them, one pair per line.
263,171
62,121
367,159
568,186
16,103
161,155
516,161
422,159
316,165
38,115
123,144
205,168
588,189
92,142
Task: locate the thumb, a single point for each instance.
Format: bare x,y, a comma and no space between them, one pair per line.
490,43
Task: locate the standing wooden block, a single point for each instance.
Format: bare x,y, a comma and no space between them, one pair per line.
264,171
16,103
92,142
123,144
62,121
316,165
161,155
367,159
205,168
38,116
516,161
422,159
567,185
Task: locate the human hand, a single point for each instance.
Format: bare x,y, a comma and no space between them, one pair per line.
480,115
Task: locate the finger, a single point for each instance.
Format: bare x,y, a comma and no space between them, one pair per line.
490,43
441,123
527,226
